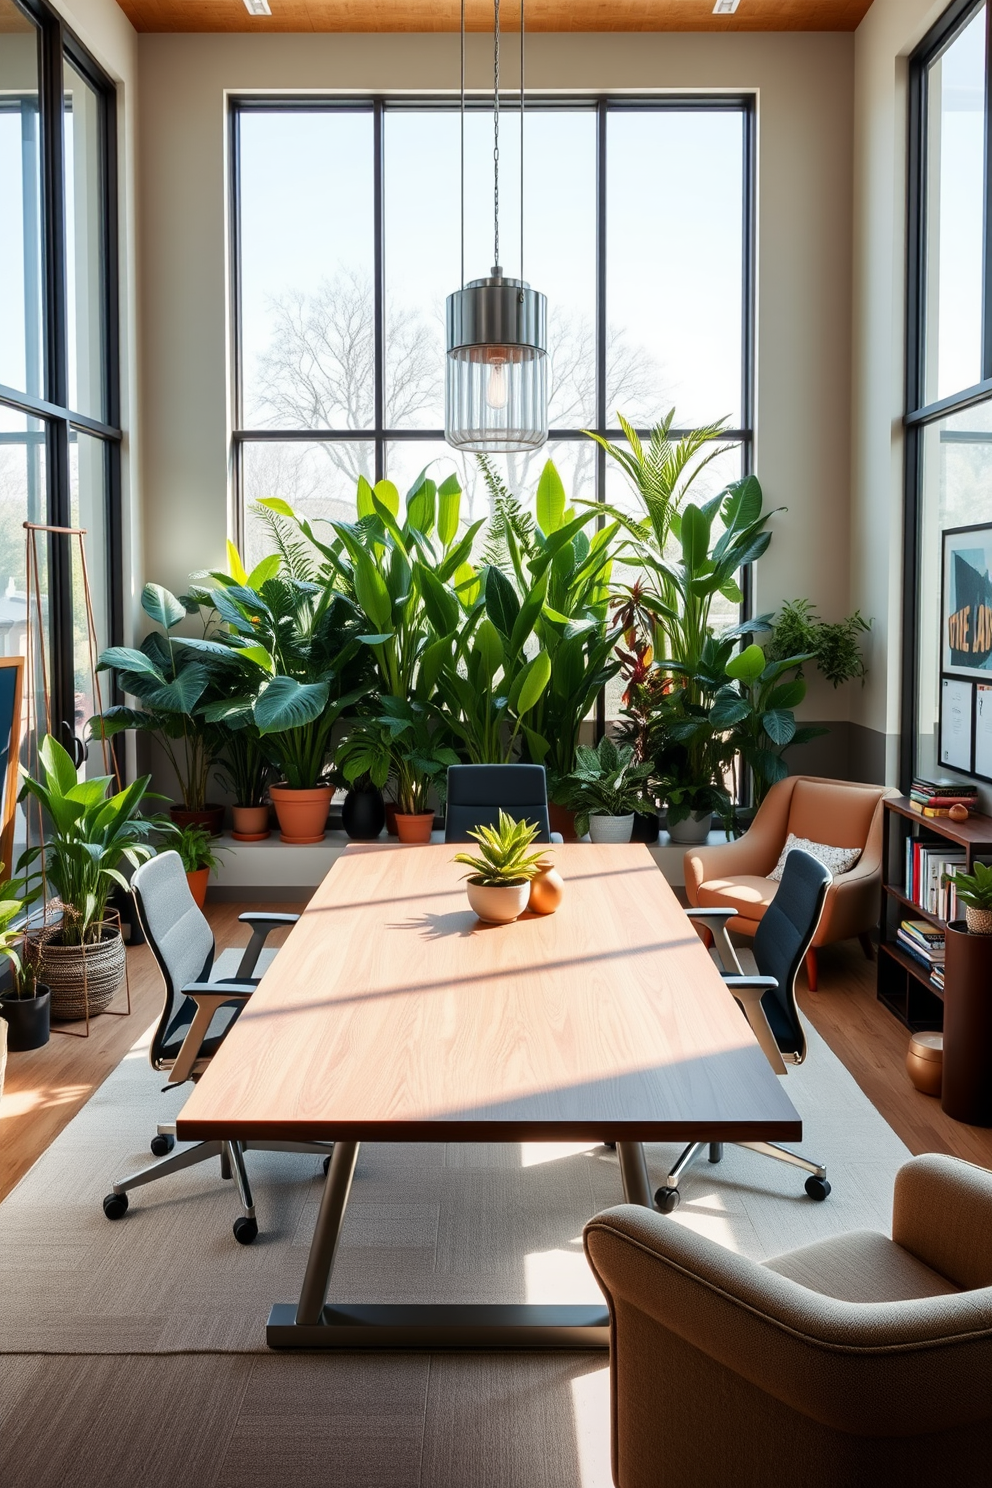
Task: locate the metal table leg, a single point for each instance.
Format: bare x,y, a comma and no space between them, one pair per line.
323,1247
634,1172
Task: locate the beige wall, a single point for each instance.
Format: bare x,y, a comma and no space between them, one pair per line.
883,41
805,86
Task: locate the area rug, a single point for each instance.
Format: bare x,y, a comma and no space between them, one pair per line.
426,1222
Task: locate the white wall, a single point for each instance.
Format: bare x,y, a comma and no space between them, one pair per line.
805,85
882,43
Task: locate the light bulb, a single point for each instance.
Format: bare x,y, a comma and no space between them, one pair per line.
496,390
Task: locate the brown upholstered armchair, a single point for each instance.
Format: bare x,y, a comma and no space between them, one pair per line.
856,1359
834,812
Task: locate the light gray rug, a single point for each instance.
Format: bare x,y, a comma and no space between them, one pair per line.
425,1222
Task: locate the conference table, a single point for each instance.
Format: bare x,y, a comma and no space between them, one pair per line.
392,1014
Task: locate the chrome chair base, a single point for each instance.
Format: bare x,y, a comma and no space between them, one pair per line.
667,1197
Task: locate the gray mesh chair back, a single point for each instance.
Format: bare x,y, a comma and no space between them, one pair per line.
178,934
477,794
782,939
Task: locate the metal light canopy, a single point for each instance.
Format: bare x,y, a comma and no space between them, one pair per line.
496,381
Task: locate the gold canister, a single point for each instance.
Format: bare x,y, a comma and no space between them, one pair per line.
547,890
925,1062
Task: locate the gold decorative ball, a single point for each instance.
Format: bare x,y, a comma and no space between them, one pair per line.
958,812
547,890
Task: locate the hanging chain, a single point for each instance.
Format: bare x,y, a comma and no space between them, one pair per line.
496,133
521,140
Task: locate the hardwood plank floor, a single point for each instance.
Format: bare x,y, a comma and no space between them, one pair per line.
45,1088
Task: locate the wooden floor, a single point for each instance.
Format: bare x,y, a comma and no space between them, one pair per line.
45,1088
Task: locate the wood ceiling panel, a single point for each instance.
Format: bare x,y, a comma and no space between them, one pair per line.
542,15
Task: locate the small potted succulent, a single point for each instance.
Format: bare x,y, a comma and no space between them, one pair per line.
25,1006
605,789
200,859
499,884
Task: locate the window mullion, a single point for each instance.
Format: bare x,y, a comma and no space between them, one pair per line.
986,214
379,292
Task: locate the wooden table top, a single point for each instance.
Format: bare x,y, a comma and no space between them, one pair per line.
393,1014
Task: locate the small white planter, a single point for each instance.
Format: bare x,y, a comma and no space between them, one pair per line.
695,828
498,904
611,828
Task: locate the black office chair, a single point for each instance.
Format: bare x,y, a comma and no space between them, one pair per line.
196,1016
764,984
477,794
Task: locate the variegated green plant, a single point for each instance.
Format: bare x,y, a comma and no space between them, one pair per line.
503,860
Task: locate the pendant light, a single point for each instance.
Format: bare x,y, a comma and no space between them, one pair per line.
496,382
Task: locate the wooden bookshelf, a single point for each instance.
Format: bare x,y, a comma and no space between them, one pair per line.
904,984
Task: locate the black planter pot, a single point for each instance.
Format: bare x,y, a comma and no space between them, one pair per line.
27,1019
363,815
645,827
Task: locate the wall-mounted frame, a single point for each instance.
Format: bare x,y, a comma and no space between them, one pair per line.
966,603
11,695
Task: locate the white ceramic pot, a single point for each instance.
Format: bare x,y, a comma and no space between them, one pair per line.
498,904
695,828
611,828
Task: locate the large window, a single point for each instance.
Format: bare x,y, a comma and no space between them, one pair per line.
639,221
949,379
59,435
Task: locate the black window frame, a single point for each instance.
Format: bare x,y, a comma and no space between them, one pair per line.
919,414
59,421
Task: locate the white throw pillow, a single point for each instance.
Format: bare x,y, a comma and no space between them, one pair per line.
837,859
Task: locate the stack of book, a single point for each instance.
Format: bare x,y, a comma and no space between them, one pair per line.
936,797
925,943
927,866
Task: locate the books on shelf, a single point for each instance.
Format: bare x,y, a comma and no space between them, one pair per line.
937,977
927,865
934,798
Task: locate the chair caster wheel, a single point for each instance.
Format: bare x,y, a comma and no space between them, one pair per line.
817,1188
326,1165
612,1146
245,1230
115,1206
667,1200
162,1144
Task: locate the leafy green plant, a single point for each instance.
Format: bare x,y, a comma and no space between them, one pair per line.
755,708
974,890
606,781
174,678
404,741
197,849
503,861
244,767
88,836
835,648
12,908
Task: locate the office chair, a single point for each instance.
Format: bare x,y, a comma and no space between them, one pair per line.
764,984
477,794
196,1016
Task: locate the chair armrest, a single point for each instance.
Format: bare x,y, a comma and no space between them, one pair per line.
715,920
749,990
220,991
556,837
698,912
208,996
262,924
942,1214
871,1369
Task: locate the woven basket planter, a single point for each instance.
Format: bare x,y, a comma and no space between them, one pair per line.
80,974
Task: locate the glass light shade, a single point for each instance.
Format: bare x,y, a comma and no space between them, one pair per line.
496,379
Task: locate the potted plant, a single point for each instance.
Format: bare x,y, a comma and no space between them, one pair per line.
405,740
605,789
363,814
88,836
304,665
754,706
25,1006
499,884
974,891
245,771
174,679
199,860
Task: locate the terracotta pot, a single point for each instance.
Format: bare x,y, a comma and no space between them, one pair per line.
498,904
414,828
563,821
302,813
391,818
26,1020
611,828
363,815
547,890
251,823
211,817
198,880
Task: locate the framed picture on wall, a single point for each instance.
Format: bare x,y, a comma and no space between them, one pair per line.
966,603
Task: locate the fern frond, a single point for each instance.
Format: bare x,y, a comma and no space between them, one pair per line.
300,558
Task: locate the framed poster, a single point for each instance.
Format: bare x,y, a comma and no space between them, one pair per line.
956,708
983,730
966,603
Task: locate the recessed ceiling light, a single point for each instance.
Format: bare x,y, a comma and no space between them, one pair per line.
722,7
261,7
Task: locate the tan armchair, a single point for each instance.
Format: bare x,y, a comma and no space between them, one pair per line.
835,812
857,1359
